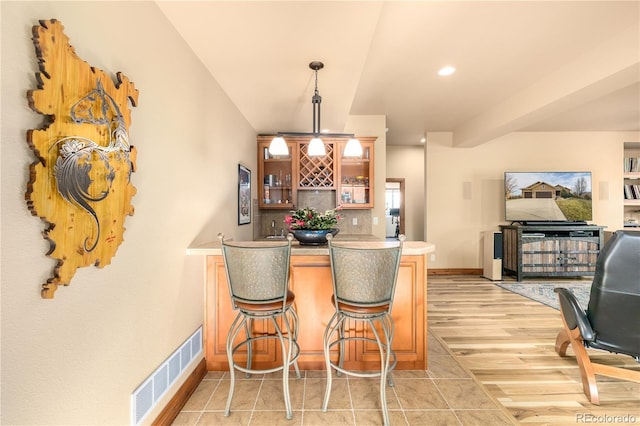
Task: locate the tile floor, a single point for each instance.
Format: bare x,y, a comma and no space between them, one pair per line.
446,394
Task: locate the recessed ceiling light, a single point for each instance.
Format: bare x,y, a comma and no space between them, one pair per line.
448,70
423,139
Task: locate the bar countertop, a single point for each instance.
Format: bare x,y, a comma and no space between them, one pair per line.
409,248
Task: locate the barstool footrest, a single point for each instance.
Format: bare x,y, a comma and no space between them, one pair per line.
392,364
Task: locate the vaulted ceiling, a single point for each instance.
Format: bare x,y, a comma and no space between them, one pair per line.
521,65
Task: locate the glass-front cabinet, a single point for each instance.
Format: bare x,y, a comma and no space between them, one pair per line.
277,176
354,189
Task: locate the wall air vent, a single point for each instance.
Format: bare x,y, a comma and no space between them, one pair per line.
153,388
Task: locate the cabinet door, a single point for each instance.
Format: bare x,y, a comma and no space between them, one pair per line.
276,177
311,283
219,316
540,254
578,255
409,320
355,177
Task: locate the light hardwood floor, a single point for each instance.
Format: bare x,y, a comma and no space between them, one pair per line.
507,342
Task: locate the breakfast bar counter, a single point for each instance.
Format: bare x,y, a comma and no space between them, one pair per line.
310,280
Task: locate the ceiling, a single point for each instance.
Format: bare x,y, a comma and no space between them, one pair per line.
521,65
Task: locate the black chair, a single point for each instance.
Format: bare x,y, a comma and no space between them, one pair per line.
612,319
258,278
364,283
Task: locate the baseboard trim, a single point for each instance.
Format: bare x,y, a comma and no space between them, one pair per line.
173,407
455,271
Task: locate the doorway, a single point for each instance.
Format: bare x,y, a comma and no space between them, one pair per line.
394,207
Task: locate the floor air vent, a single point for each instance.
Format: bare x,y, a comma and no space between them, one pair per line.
147,395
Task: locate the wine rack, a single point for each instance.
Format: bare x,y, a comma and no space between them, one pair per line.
316,172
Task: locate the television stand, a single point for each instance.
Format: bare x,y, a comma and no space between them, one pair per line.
550,250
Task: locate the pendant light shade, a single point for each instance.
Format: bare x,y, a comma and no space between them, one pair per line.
353,148
278,146
316,148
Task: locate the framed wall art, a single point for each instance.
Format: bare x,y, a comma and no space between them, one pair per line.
244,195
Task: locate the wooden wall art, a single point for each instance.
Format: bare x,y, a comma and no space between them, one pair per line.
80,183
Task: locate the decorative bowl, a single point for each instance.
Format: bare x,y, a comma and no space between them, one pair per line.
313,237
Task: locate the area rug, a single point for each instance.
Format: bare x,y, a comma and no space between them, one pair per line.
543,291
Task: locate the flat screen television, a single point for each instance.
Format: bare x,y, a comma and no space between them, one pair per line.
547,197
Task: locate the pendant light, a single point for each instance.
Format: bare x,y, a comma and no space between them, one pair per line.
278,146
316,146
353,148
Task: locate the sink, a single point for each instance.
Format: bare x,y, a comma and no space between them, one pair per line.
275,237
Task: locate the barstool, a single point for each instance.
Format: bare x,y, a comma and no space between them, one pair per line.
364,283
258,278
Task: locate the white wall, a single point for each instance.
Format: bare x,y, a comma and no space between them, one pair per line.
465,185
77,358
374,125
407,162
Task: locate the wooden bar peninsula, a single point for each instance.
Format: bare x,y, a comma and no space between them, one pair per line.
311,282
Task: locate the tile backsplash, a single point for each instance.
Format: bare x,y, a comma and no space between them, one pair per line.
321,200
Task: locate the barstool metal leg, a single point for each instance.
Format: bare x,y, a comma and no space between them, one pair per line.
292,327
389,330
236,326
286,360
248,326
329,331
342,340
384,364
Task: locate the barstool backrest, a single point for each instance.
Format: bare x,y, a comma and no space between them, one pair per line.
365,276
256,274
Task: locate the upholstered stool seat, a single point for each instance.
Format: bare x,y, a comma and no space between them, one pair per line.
266,307
364,310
